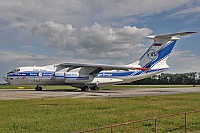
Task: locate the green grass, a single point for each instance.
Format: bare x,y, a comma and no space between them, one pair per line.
73,114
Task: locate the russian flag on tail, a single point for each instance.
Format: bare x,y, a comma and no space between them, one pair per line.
157,44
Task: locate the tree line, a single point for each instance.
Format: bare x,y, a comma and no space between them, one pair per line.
191,78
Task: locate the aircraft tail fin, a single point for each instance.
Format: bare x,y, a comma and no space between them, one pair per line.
156,56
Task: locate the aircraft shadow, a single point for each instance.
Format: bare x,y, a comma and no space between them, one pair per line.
62,90
77,90
68,90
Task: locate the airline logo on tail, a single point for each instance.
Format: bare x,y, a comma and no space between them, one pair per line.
152,54
157,53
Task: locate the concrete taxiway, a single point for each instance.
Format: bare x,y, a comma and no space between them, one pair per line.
9,94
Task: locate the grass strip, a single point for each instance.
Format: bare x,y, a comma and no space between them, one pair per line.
74,114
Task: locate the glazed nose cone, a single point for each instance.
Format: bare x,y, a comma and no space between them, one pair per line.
5,78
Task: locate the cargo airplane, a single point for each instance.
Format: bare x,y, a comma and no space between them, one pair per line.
94,76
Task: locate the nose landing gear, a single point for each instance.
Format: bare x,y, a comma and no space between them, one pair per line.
38,88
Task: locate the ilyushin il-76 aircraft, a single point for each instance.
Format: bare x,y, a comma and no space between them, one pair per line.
95,76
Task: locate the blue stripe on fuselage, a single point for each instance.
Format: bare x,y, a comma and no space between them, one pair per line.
125,74
32,74
100,75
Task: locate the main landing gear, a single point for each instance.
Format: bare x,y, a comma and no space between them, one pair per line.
86,88
38,88
94,88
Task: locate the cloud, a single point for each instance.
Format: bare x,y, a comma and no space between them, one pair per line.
130,11
96,41
21,58
102,42
191,10
22,13
184,61
58,35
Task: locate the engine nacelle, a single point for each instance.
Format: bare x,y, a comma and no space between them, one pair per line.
75,77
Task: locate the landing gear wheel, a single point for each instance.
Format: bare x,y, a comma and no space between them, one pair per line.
40,88
94,88
85,88
37,88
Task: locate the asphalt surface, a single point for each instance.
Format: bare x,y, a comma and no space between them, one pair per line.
9,94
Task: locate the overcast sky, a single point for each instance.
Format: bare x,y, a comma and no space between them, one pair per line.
43,32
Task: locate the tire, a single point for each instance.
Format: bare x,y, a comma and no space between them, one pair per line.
85,88
94,88
38,88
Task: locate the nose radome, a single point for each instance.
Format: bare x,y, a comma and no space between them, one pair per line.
5,78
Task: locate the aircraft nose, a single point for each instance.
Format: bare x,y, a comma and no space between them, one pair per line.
5,78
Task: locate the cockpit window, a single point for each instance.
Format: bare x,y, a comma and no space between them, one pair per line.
15,70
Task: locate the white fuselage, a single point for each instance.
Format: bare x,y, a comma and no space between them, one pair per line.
47,75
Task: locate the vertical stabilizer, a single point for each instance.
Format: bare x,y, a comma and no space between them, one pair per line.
156,56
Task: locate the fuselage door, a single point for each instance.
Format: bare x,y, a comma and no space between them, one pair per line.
37,78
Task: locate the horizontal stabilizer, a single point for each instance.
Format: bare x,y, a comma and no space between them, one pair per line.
170,35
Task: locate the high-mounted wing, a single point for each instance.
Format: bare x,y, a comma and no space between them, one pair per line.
97,67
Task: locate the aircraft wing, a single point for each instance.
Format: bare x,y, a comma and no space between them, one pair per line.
97,67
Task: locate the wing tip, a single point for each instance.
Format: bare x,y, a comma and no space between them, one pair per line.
190,32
